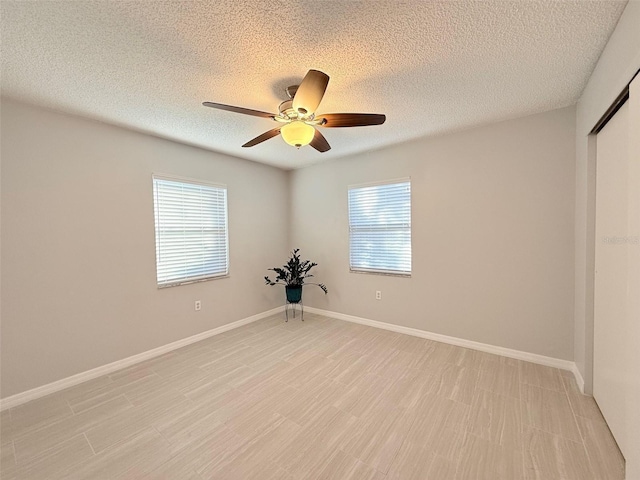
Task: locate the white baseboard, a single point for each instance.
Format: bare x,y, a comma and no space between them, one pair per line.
579,379
460,342
24,397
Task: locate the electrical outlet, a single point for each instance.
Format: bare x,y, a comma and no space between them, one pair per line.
198,305
378,295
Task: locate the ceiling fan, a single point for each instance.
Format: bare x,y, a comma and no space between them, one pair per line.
299,118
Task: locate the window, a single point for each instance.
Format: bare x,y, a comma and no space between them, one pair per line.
191,230
380,228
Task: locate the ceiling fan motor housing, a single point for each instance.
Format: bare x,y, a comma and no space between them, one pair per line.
291,91
286,109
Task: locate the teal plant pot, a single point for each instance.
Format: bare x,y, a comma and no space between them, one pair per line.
294,294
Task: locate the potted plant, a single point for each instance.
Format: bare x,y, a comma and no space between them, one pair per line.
292,275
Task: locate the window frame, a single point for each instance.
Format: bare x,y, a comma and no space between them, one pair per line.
192,181
374,271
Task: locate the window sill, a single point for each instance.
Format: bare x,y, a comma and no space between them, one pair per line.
378,272
188,282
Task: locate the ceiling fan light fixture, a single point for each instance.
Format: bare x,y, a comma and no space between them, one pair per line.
297,133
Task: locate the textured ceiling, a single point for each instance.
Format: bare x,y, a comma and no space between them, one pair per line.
431,67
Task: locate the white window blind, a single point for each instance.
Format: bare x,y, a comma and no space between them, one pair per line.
380,228
191,231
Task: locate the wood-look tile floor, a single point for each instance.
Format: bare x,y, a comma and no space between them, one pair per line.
315,400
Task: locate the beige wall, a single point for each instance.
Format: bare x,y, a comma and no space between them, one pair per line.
492,234
617,65
78,248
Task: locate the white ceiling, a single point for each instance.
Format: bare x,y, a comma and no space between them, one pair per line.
431,67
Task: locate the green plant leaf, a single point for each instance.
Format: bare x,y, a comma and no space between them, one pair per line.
294,272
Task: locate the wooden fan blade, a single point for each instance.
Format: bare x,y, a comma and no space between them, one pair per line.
231,108
320,143
310,92
261,138
351,119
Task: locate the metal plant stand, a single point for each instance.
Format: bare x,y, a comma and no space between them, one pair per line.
292,305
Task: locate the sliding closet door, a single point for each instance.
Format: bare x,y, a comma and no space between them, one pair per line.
632,374
610,356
